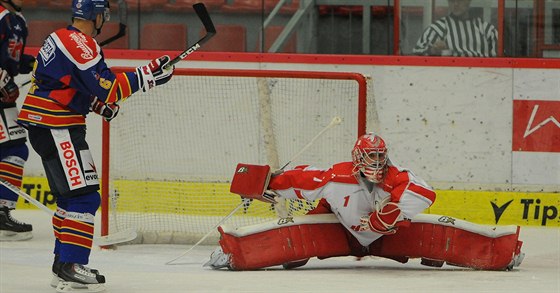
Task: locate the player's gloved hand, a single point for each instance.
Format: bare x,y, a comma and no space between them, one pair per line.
383,221
26,64
107,111
155,73
9,93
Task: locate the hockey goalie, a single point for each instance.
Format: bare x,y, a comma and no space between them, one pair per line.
368,206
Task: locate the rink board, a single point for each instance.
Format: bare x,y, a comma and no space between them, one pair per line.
200,199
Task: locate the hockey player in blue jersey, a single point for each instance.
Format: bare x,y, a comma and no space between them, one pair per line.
13,150
71,79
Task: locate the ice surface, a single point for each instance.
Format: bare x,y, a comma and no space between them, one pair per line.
25,267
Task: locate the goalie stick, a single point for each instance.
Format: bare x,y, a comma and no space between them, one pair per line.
204,17
123,7
247,201
119,237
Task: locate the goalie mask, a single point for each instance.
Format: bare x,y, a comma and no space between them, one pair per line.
370,157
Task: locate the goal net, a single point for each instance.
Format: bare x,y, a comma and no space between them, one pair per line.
172,151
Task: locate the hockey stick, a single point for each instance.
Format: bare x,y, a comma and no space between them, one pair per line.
119,237
246,201
202,13
123,7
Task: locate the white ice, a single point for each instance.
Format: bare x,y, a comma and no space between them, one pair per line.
25,267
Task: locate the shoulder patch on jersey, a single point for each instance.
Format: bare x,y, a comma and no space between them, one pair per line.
48,51
79,48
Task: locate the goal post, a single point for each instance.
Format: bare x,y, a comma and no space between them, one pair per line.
170,155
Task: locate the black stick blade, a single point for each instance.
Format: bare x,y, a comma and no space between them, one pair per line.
202,13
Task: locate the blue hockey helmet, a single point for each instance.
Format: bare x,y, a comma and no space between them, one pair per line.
89,9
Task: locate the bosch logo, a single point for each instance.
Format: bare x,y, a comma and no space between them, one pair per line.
2,132
71,162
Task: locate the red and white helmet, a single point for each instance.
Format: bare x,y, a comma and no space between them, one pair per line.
370,157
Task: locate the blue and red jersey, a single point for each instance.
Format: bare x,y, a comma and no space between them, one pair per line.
71,71
13,35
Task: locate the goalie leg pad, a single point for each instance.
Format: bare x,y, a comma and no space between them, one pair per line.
437,239
284,241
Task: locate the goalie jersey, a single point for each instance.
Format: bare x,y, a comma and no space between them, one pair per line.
352,199
71,71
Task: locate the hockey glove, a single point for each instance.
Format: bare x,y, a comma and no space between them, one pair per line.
155,73
26,64
107,111
383,221
9,93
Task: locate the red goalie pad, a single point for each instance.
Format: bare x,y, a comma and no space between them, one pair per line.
250,181
435,239
284,241
439,239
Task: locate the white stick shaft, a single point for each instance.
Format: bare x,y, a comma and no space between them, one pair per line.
28,197
244,202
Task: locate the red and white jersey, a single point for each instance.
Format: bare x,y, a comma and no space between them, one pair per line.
350,198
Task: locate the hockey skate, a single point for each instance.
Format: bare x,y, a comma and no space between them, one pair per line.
79,278
12,229
218,259
56,268
516,261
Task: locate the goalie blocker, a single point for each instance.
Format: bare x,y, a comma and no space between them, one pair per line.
435,239
251,181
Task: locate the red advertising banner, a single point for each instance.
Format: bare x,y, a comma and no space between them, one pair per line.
536,126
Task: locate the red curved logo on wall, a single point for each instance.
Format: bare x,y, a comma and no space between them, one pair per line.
536,126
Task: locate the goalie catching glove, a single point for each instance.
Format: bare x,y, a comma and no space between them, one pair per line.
108,111
155,73
385,220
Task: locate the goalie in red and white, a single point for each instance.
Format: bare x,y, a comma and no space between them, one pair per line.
368,206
